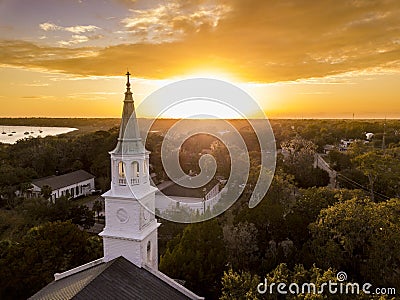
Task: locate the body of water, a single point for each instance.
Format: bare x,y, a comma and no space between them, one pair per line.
11,134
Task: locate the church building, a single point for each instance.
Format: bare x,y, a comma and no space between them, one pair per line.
129,268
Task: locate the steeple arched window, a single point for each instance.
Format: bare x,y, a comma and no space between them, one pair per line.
135,173
121,173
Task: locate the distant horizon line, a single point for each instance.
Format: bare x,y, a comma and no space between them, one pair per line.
271,118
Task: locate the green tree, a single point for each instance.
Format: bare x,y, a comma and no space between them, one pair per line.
77,165
198,257
378,166
239,286
97,207
357,148
269,216
28,265
298,159
339,160
39,210
13,178
81,215
46,191
360,237
241,245
221,154
309,203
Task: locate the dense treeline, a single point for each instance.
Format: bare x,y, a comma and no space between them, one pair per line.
373,169
40,157
29,263
40,238
301,239
302,231
323,132
83,124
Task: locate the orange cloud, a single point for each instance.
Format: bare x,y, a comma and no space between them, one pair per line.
74,29
173,20
257,40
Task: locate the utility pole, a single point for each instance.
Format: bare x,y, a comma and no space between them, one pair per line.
384,136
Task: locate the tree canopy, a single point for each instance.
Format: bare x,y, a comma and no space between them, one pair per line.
27,265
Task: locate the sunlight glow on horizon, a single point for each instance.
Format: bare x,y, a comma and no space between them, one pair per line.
52,94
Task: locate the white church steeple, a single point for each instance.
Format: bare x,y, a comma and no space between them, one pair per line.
129,141
131,229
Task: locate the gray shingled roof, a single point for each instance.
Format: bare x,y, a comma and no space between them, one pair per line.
116,279
175,189
56,182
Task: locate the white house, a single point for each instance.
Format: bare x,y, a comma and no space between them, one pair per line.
194,199
72,185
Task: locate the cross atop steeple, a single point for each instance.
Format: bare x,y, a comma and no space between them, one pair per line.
128,93
128,84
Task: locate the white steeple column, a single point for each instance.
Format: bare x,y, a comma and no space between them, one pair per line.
131,230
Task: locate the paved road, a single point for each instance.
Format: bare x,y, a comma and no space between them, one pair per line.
319,162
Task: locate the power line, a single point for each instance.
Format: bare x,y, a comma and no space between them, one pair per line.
361,186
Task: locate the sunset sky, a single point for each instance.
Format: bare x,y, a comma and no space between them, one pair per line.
297,58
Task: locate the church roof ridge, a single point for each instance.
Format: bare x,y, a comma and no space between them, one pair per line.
117,279
58,276
173,283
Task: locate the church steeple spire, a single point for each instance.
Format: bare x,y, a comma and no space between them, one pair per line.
131,227
129,140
